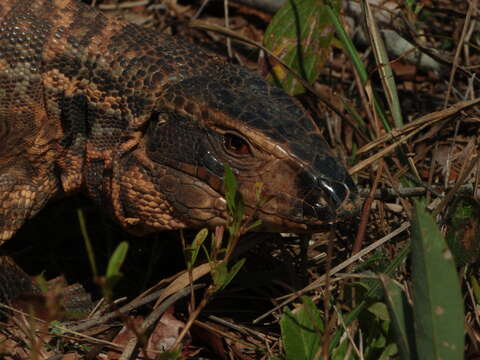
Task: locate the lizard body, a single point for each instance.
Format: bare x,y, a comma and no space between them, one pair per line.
144,124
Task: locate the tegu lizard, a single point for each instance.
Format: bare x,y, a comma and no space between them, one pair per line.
144,124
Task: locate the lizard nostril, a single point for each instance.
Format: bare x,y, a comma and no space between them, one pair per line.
324,202
337,192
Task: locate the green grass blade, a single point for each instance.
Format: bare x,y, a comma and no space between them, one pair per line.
401,316
438,305
348,44
383,63
352,53
88,242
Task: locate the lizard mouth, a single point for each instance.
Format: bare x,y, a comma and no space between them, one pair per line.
324,201
172,199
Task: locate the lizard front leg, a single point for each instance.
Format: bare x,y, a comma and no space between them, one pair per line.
14,282
21,198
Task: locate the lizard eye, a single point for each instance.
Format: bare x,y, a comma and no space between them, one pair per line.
235,145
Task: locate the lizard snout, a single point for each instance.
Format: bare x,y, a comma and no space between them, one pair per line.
342,197
336,192
330,199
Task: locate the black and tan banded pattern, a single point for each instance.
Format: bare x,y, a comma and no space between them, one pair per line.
144,124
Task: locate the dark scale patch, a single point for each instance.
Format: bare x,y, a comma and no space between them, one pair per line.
93,178
69,66
281,98
155,55
164,57
73,118
301,151
190,107
138,105
99,119
328,165
179,140
73,41
308,146
89,65
107,82
153,68
205,115
168,68
225,96
87,23
24,15
236,109
179,101
291,129
318,144
248,98
262,124
195,82
305,123
257,85
294,110
131,37
276,135
249,117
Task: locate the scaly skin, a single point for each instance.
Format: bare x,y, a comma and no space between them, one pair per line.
144,123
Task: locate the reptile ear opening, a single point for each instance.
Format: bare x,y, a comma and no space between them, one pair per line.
236,145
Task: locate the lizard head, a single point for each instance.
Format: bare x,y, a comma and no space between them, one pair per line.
174,177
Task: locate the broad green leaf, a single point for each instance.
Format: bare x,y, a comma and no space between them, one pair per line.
234,200
230,188
375,324
55,328
380,311
117,259
222,276
389,352
232,272
113,270
401,316
371,295
301,331
438,305
171,355
255,224
219,274
191,252
341,351
301,35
